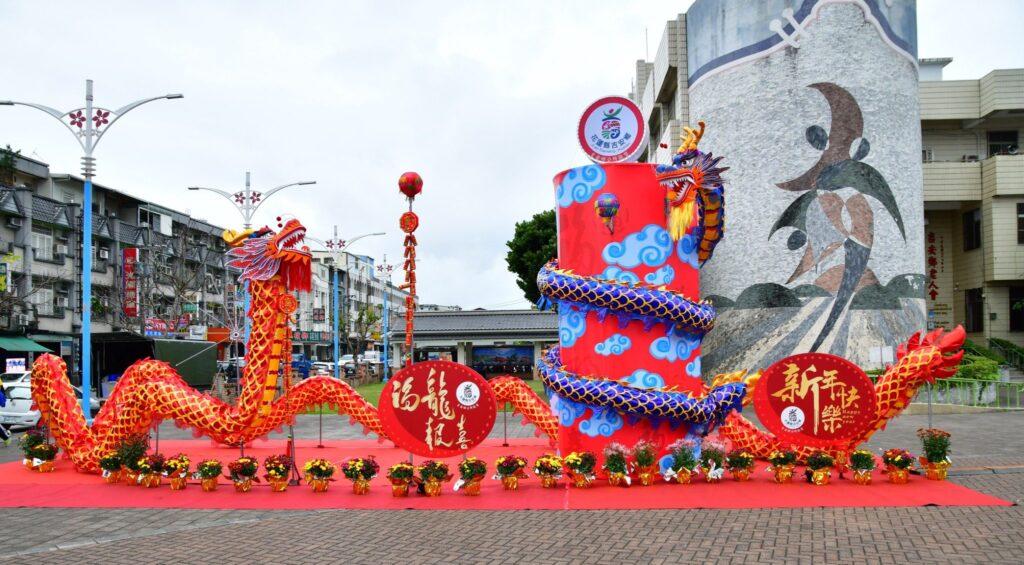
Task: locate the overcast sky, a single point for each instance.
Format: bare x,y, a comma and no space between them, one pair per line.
481,98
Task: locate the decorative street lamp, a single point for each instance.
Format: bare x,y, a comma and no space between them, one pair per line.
247,202
88,125
385,269
336,248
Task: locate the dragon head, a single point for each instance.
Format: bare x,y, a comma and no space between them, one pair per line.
262,254
945,350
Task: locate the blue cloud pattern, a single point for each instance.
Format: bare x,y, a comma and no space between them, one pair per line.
604,422
579,185
571,325
613,273
650,246
568,411
617,344
642,378
664,275
674,347
693,368
687,250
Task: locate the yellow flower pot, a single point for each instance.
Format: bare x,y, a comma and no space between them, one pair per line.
684,476
432,487
319,485
898,476
616,479
580,480
510,482
783,473
45,467
178,483
646,475
821,476
741,475
278,484
935,471
361,486
243,485
472,486
151,480
209,485
548,481
862,476
399,489
113,477
131,478
29,464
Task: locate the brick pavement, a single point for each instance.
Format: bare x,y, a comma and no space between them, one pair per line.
989,455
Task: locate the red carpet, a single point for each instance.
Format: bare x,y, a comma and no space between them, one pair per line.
66,488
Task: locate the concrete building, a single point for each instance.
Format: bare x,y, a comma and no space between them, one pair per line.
179,282
814,107
974,201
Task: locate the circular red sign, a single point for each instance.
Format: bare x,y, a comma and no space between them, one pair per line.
437,408
612,130
815,399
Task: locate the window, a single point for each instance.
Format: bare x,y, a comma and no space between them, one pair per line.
1020,223
42,299
1017,308
69,196
974,307
42,242
927,156
972,229
1002,143
151,219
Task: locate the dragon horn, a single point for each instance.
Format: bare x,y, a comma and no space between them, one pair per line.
952,340
236,239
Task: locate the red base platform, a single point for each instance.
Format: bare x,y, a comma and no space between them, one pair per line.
65,487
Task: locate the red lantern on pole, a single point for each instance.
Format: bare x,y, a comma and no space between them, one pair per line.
410,184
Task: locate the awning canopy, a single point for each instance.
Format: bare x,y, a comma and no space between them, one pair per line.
51,337
18,343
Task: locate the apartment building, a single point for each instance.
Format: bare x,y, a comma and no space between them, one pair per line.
174,286
974,200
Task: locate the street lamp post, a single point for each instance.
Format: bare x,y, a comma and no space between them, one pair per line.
385,269
336,247
88,125
247,202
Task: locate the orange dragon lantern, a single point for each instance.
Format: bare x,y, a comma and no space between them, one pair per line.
273,265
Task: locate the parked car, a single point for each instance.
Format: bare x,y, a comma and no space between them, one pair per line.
21,411
321,368
348,362
15,377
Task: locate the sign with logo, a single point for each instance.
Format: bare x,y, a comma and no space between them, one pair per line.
130,281
437,408
815,399
613,130
15,365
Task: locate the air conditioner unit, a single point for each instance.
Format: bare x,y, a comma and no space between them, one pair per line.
15,222
103,254
60,249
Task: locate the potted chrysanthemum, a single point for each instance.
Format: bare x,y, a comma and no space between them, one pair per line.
110,465
819,467
472,471
645,459
242,472
782,462
580,466
360,470
509,469
740,463
549,468
431,475
277,468
862,462
897,465
319,473
154,469
684,461
208,472
401,476
616,464
712,459
935,443
176,469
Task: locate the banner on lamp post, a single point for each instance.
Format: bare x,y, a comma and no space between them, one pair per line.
130,281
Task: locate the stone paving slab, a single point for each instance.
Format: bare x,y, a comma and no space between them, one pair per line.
982,443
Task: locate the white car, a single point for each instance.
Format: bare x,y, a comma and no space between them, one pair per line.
16,377
21,411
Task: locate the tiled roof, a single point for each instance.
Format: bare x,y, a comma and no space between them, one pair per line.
483,322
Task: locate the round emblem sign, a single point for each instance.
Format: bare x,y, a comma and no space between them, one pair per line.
437,408
613,130
815,399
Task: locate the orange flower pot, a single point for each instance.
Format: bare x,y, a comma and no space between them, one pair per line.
684,476
646,476
209,485
244,485
580,480
361,486
935,471
178,483
821,476
319,485
741,475
783,474
898,476
432,487
278,484
510,482
151,480
399,489
548,481
862,476
472,486
113,477
45,467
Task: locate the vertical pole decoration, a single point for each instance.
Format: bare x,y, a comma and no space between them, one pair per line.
410,184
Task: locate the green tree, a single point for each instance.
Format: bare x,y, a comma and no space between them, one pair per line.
534,243
8,164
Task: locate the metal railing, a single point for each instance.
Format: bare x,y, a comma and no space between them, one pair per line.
1001,395
1013,356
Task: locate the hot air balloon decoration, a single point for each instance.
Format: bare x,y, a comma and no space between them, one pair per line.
607,207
